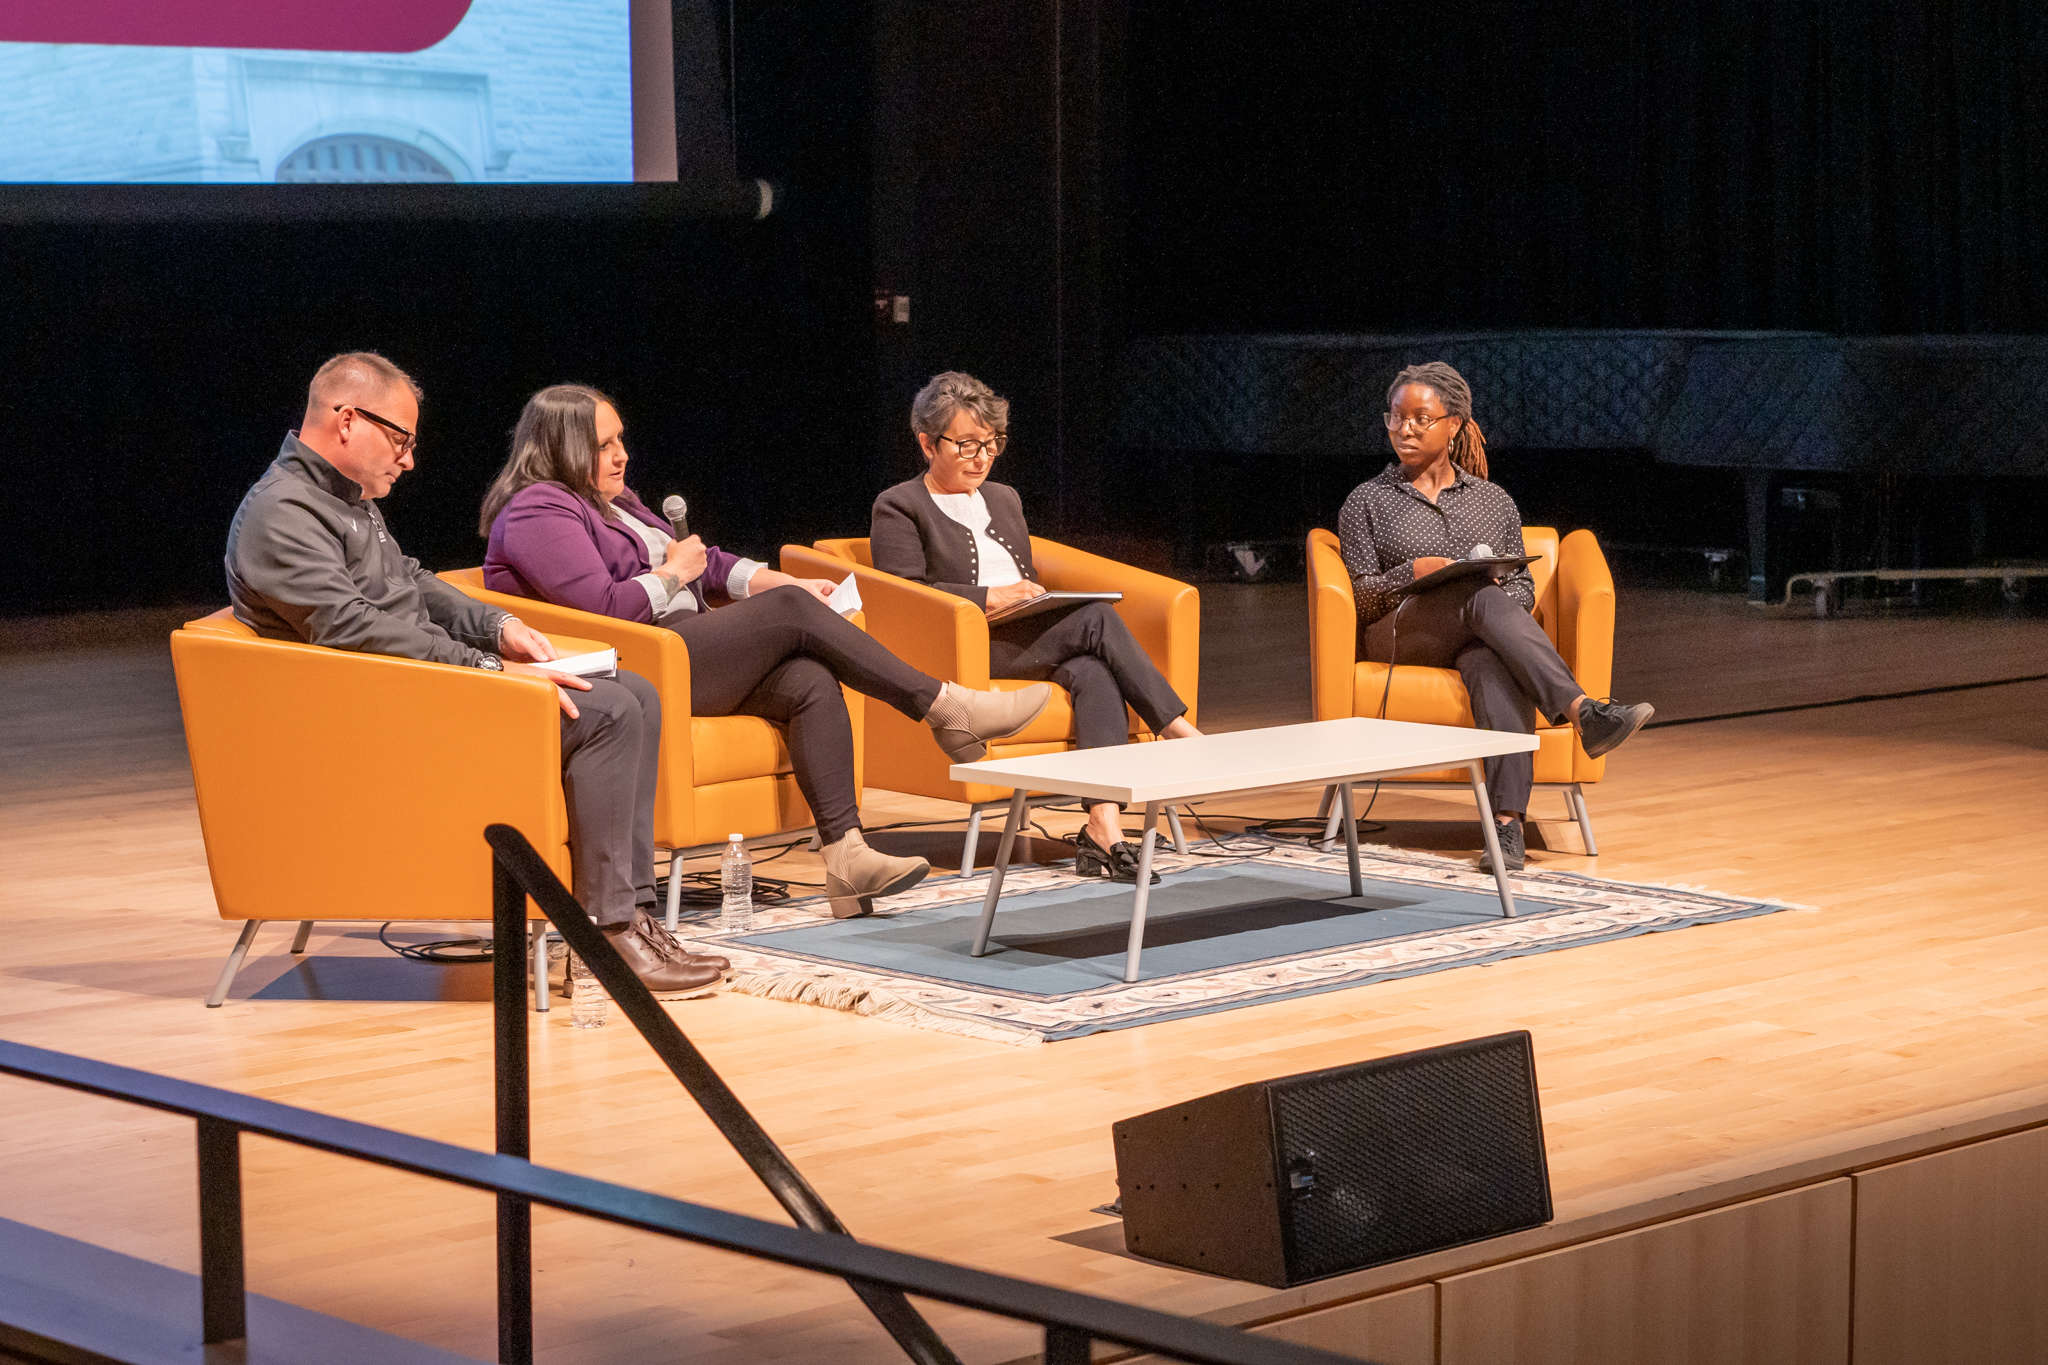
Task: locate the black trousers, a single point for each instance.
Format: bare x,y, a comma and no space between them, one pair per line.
1511,669
609,755
782,656
1088,650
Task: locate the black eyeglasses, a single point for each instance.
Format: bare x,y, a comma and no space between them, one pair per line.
406,439
974,450
1423,420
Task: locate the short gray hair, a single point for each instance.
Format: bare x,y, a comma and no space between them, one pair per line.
355,372
936,403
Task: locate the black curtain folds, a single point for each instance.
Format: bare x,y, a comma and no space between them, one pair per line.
1849,166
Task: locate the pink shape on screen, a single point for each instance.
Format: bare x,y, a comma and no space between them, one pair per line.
321,25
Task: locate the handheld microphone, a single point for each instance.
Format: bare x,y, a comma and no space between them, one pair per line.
678,513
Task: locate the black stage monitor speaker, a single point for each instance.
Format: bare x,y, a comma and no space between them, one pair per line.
1289,1180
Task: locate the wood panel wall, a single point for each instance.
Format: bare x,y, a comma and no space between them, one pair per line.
1952,1256
1759,1283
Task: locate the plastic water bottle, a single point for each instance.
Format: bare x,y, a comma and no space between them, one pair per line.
588,1003
736,881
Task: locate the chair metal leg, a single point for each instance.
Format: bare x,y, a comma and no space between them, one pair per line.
1336,814
1180,840
234,963
1142,891
299,939
1018,804
971,845
539,966
1576,798
675,888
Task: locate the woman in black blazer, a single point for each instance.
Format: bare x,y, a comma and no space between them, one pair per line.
952,529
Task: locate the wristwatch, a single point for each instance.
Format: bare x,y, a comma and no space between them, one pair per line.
491,662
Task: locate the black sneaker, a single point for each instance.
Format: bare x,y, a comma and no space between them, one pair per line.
1603,725
1512,851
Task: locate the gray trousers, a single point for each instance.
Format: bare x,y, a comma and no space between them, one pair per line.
609,754
1511,669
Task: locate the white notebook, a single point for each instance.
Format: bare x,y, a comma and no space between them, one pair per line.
599,663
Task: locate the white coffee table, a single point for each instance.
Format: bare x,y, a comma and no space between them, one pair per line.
1333,753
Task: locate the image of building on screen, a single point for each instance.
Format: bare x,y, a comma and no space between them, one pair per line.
520,90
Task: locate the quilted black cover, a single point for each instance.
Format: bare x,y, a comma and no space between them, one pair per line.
1778,400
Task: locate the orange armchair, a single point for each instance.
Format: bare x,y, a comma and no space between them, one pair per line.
947,637
1575,607
719,775
340,786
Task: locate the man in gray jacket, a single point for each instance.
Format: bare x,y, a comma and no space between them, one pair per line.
309,558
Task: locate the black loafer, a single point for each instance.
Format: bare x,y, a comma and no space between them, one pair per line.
1512,851
1119,862
1090,858
1123,863
1603,725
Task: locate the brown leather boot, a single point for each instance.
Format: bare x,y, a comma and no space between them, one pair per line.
855,874
655,932
663,975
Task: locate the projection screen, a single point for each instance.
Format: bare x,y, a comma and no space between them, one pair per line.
314,91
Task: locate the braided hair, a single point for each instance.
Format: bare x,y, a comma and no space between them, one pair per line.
1468,447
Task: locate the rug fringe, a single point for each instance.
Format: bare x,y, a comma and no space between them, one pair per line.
833,994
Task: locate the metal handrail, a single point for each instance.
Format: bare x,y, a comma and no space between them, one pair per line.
1071,1319
519,872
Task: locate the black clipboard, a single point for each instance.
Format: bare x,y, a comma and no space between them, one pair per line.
1048,601
1493,567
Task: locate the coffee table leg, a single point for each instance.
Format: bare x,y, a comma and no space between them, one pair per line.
1142,891
1351,837
995,874
1486,825
1180,839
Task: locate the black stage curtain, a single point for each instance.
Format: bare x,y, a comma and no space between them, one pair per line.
1849,166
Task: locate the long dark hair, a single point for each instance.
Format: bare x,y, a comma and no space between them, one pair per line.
1468,447
555,442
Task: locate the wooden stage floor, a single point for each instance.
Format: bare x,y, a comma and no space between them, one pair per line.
1913,996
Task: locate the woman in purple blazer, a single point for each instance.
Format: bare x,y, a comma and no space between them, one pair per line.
564,528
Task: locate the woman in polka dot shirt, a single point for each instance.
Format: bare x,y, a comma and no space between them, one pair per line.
1433,506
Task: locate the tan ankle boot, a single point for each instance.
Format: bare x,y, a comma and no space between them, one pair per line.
964,721
855,874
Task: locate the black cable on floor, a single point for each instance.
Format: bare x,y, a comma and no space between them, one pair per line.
444,950
1848,701
1275,828
704,891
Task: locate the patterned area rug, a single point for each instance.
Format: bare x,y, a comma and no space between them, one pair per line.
1226,927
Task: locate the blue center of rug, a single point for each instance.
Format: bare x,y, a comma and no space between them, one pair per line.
1072,938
